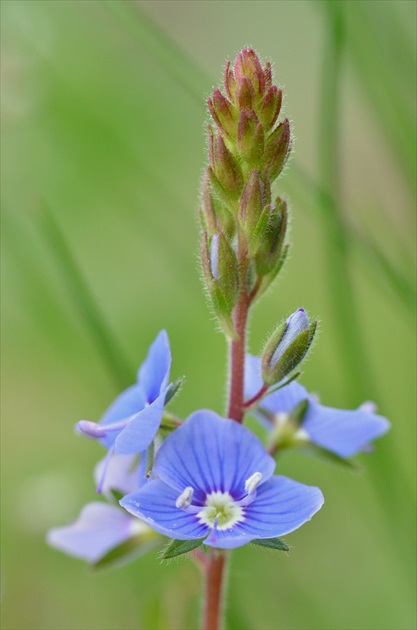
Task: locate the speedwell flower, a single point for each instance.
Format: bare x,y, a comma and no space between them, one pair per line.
343,432
213,480
130,424
101,527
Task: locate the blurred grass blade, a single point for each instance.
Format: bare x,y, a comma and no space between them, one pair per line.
384,60
85,302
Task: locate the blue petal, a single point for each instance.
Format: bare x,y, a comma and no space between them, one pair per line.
141,429
154,372
154,503
122,474
281,506
98,529
343,432
130,402
284,400
210,453
253,376
297,323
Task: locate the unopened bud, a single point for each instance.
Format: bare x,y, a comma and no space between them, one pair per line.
248,65
270,237
230,82
250,204
287,347
271,107
250,137
245,94
277,149
222,113
226,168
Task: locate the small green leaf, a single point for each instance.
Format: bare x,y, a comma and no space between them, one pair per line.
314,449
127,550
116,494
299,412
173,389
272,543
178,547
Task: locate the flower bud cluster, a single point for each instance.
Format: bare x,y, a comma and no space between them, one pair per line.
248,149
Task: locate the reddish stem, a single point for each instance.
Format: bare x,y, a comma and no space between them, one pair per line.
237,363
255,398
216,561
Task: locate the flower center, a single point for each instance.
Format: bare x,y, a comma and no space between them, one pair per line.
222,507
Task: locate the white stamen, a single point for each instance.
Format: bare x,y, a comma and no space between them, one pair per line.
185,498
253,482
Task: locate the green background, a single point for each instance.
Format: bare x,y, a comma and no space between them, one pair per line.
103,124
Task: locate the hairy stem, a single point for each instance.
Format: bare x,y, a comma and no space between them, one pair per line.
215,566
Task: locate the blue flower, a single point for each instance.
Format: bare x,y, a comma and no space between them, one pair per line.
130,424
101,527
213,479
342,432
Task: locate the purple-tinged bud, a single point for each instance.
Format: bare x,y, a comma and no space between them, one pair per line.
248,65
277,149
250,137
208,213
245,94
250,204
230,82
287,347
227,169
271,107
222,113
268,75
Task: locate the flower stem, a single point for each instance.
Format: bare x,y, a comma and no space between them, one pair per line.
216,562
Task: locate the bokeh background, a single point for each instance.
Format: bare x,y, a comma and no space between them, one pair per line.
103,146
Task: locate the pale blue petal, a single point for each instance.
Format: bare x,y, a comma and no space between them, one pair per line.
284,400
253,376
154,372
154,503
141,429
98,529
210,453
122,474
343,432
281,506
130,402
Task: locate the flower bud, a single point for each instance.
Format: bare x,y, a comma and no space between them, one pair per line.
222,113
271,107
226,169
270,235
287,347
250,137
247,65
220,269
250,204
245,94
277,149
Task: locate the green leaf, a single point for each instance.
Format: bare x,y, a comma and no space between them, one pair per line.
272,543
178,547
128,550
314,449
173,389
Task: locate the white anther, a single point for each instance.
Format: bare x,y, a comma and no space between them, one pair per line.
185,498
253,482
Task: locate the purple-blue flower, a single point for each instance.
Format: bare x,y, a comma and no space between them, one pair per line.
213,479
343,432
101,527
131,422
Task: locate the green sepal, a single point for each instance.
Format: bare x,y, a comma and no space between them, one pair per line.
179,547
258,233
299,412
288,361
268,279
116,495
323,453
128,550
271,543
150,457
173,389
287,381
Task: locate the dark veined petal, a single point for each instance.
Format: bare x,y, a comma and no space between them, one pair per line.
341,431
281,506
141,429
210,453
98,529
153,374
154,503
